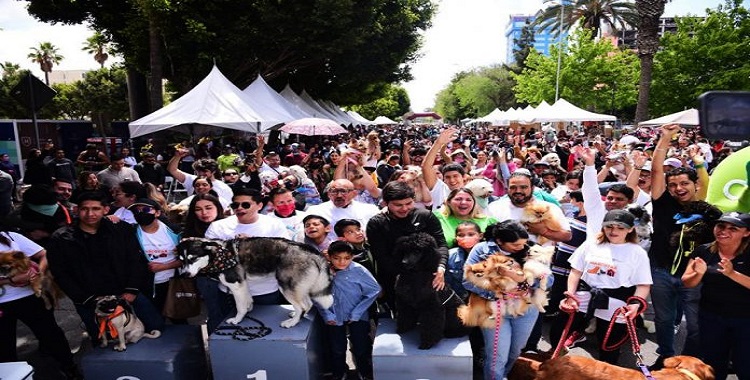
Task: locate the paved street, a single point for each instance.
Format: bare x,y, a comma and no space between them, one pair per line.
45,368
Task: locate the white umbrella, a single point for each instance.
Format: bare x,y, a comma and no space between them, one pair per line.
686,117
313,126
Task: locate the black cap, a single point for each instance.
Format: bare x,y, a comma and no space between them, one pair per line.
619,217
737,218
145,202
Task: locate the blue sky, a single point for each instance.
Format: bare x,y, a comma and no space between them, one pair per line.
465,34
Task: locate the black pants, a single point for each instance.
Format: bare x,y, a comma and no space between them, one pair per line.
31,311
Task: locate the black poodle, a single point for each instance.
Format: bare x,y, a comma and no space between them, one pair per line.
418,304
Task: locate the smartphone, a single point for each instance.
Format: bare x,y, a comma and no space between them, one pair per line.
725,115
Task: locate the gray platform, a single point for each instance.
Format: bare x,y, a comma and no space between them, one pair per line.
293,353
397,357
177,354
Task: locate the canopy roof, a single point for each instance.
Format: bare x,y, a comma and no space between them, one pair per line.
563,110
260,92
383,120
686,117
214,101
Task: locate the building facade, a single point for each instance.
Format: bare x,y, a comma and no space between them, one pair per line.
543,39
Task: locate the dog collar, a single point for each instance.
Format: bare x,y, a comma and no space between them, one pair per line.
689,374
222,260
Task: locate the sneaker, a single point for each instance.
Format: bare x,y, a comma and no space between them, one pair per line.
574,339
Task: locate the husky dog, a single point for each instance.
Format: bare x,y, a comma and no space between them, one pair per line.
116,317
302,274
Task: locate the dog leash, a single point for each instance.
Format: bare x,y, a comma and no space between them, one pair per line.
632,334
244,333
498,323
566,331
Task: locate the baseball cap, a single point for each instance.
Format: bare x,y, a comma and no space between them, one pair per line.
542,162
737,218
145,202
646,167
621,218
673,162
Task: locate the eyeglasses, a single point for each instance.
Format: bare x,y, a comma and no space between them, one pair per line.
236,205
230,173
339,191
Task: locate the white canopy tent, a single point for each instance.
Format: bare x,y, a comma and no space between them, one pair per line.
215,101
336,110
496,117
686,117
261,92
361,119
563,110
300,103
314,104
383,120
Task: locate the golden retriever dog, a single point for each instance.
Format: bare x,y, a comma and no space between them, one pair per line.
539,212
13,263
572,367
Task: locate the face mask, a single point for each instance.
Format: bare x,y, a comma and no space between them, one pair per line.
467,242
47,210
482,202
144,218
285,210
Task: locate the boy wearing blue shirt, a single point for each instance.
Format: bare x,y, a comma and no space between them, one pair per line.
354,290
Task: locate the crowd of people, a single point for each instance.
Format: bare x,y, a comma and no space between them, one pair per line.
631,223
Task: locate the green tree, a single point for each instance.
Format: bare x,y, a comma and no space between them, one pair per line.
342,50
46,55
9,69
703,55
10,108
98,45
594,75
650,12
591,14
476,93
393,104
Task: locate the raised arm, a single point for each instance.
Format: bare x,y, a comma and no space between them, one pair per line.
658,182
696,155
639,159
428,169
259,150
174,162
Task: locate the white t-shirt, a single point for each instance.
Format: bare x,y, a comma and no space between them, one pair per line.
592,203
610,266
159,248
439,194
265,226
361,212
21,243
294,227
502,210
277,171
125,215
222,189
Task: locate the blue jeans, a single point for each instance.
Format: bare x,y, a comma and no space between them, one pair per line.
724,339
359,335
667,295
142,306
512,336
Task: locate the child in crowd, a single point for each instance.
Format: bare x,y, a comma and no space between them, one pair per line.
350,231
354,291
316,232
468,234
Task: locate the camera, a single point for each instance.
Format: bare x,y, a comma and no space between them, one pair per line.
725,115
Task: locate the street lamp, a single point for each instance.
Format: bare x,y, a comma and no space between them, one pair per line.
559,52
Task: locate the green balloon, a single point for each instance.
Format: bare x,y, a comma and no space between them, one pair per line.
727,186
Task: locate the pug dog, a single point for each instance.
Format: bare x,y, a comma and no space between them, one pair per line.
13,263
116,318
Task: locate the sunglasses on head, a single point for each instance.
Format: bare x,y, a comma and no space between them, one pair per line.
236,205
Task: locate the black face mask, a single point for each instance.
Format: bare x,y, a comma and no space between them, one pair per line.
144,218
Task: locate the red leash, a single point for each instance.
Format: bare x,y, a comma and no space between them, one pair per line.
566,331
630,325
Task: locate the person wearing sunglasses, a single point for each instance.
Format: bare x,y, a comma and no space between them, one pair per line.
248,222
342,205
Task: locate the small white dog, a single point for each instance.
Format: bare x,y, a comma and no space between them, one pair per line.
537,265
117,320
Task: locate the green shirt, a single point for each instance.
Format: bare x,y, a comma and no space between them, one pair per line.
449,224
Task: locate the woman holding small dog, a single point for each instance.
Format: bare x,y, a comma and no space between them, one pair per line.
503,344
606,274
18,302
724,314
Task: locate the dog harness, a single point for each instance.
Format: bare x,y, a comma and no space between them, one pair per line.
105,323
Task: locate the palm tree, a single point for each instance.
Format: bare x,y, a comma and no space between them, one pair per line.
591,14
98,45
9,69
46,56
650,12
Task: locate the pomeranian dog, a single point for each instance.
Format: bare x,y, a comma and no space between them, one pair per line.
488,275
537,266
540,212
13,263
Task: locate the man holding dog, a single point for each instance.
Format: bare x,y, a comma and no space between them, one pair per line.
95,257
